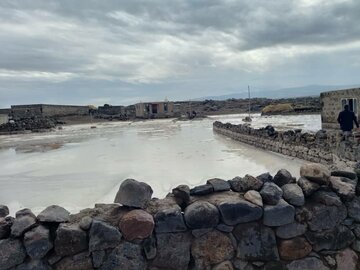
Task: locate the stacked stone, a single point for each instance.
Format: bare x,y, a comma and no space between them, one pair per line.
248,222
319,147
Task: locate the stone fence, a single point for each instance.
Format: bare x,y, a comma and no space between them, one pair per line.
326,147
250,223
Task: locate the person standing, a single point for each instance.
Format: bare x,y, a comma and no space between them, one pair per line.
347,119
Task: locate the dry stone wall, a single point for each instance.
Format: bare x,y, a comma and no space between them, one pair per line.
326,147
265,222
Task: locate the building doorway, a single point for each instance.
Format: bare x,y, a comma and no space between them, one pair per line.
353,104
154,108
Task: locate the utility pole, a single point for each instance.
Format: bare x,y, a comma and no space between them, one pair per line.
249,101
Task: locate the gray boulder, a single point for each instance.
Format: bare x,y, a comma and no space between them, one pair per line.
291,230
169,220
293,194
70,233
326,217
82,261
25,220
4,211
307,186
201,190
98,257
219,184
327,198
283,177
85,223
271,193
315,172
125,256
265,177
354,209
343,186
34,265
336,239
279,214
173,251
182,193
347,174
5,226
103,236
54,213
37,242
12,253
149,247
134,194
246,183
307,263
256,242
239,211
201,215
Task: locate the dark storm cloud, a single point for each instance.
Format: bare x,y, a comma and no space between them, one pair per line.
137,49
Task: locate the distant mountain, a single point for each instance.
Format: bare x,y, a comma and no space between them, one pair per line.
309,90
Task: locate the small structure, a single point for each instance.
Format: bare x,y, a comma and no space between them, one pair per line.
4,118
108,109
47,110
333,102
154,109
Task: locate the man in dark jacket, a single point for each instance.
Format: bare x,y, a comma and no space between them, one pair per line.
347,119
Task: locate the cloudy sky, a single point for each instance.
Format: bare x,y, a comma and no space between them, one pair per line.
121,51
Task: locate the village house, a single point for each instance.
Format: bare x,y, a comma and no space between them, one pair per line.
155,109
333,102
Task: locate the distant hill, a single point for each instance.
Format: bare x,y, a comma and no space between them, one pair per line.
303,91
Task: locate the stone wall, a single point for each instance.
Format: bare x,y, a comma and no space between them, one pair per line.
247,222
331,105
326,147
46,110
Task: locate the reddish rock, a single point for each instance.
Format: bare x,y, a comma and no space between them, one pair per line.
136,224
346,260
212,248
294,249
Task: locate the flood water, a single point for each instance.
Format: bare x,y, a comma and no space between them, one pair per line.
78,166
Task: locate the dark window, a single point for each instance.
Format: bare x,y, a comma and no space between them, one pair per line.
352,102
165,107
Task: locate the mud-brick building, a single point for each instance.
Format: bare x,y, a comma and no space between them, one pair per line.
154,110
47,110
333,102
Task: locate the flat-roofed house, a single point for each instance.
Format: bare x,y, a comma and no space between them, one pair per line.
333,102
163,109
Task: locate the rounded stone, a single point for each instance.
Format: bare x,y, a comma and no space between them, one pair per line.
12,253
134,194
70,233
85,223
315,172
254,197
346,260
54,213
136,224
293,194
201,215
294,249
211,248
4,211
283,177
37,242
271,193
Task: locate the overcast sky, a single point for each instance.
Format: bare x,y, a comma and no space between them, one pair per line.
121,52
